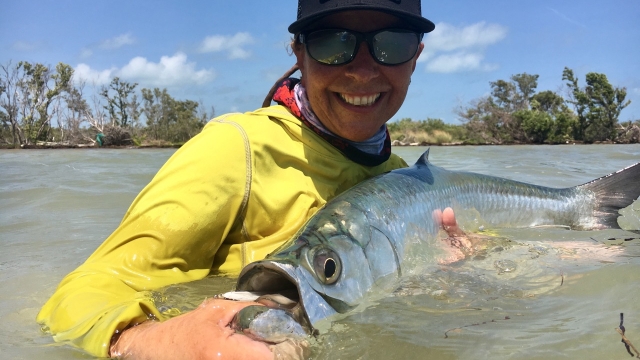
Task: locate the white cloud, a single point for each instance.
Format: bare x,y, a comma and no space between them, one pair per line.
464,47
233,45
477,36
86,53
24,46
460,61
170,71
117,42
84,72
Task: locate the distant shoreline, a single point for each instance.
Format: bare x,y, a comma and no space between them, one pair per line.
86,146
395,143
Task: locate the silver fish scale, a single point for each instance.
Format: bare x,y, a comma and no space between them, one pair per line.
490,196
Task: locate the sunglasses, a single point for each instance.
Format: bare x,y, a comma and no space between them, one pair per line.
340,46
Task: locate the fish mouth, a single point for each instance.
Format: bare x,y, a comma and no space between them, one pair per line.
275,277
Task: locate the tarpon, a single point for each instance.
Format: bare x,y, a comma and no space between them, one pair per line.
357,244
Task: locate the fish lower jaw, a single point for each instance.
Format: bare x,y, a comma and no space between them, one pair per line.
271,277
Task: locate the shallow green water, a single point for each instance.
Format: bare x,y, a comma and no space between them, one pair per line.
543,293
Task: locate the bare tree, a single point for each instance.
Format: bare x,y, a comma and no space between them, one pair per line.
9,100
73,113
123,110
95,115
28,92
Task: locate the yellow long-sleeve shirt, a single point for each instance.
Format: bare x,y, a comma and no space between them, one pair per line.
229,196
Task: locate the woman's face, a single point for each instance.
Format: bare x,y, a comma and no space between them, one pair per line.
354,100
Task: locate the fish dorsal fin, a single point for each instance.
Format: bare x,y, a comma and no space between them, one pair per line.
424,158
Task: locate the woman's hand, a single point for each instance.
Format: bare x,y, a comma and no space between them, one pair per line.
203,333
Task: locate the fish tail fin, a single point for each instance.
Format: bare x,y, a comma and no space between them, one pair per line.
614,192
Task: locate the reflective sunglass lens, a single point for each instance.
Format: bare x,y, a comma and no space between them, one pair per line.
393,47
332,47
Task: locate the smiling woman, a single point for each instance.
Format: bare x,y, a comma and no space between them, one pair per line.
243,186
358,97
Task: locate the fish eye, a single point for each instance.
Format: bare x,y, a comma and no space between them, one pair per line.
327,266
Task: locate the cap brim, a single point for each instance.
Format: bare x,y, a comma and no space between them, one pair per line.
417,23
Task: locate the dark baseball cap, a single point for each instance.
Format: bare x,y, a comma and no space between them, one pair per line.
407,10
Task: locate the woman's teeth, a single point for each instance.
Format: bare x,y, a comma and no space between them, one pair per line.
360,100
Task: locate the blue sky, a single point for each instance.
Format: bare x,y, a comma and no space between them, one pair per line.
227,54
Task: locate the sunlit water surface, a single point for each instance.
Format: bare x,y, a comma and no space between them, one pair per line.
529,294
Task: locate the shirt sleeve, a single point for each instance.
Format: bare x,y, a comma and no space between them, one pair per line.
169,235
